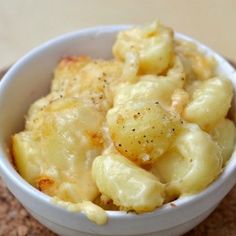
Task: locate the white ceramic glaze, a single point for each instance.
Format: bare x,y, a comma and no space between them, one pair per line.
30,79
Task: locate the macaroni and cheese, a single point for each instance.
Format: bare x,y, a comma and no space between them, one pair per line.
130,133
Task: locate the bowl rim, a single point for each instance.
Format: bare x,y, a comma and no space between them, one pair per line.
9,172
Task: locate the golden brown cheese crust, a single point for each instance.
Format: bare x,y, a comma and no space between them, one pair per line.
56,156
91,81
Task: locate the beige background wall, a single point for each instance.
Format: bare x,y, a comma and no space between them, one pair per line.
26,23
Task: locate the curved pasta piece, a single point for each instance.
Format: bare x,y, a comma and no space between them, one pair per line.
142,131
129,186
224,133
153,44
210,103
192,163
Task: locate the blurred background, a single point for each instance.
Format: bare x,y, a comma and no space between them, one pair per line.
26,24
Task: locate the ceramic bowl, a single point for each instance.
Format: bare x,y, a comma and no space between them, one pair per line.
30,79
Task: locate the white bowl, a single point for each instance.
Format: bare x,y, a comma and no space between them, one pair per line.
30,79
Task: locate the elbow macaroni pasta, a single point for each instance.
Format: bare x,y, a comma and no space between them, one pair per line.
142,131
153,45
210,103
224,134
126,184
193,161
131,133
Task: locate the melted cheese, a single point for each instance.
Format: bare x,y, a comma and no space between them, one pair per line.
91,210
57,155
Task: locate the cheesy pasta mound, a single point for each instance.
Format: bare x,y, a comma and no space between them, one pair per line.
130,133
